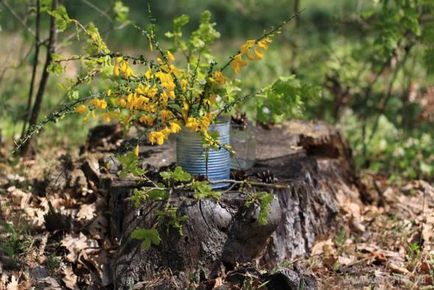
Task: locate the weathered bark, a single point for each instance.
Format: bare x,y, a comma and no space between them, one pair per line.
310,158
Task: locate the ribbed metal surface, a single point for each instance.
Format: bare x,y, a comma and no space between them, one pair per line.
191,155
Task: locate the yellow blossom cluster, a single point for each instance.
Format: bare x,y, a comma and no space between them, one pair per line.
167,99
154,99
253,50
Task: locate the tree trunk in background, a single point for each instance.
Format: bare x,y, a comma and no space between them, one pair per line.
43,82
294,50
296,8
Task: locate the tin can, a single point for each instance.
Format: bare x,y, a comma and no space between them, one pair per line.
194,158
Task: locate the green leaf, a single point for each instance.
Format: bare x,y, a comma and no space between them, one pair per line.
284,99
95,42
203,190
178,174
73,94
130,164
141,195
263,201
205,34
121,12
55,68
149,236
170,218
61,17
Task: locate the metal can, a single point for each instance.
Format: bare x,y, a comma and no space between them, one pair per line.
195,158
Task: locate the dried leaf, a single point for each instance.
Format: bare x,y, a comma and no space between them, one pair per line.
13,284
69,278
398,269
86,212
75,245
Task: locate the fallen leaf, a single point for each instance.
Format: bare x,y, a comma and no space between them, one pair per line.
86,212
318,248
346,260
398,269
75,245
13,284
69,278
376,258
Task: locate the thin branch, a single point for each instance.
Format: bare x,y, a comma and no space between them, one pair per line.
97,9
34,68
17,17
248,182
44,77
51,118
389,93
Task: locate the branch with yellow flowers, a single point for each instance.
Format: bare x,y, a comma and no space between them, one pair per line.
236,60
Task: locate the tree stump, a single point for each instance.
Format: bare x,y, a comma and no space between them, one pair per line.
311,159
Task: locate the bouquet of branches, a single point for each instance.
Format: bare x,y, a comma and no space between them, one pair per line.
160,93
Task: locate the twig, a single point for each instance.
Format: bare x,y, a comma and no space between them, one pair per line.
34,68
389,94
53,117
252,183
44,78
230,105
97,9
17,17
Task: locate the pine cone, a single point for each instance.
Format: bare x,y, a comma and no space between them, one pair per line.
240,121
266,176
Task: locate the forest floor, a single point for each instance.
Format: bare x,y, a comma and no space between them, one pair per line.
54,233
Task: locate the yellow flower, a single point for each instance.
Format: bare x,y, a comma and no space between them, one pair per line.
156,137
206,121
116,66
247,45
211,100
251,55
193,124
258,53
107,117
184,84
82,109
264,43
175,127
237,63
109,93
148,74
185,109
121,67
219,77
165,115
101,104
170,57
136,150
147,120
141,89
152,92
166,80
121,102
126,70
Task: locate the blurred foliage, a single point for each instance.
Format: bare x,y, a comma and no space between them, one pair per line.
349,48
